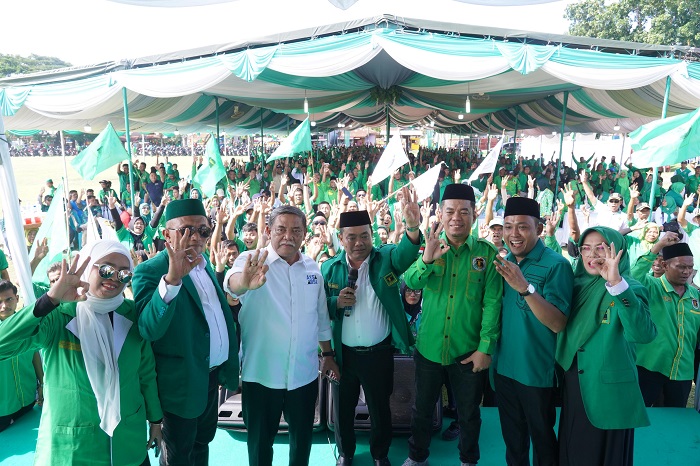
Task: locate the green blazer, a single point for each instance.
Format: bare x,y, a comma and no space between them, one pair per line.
606,362
386,264
180,336
69,432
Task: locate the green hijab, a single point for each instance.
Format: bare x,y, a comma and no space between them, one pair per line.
587,308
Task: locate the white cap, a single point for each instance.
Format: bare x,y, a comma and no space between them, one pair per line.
496,221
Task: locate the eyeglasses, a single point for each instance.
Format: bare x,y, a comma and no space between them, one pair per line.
587,249
203,231
108,271
360,195
319,222
414,292
614,201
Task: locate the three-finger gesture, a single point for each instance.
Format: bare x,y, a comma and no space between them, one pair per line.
182,259
435,247
70,287
512,274
410,207
609,264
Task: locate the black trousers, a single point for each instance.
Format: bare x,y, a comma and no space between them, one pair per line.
186,441
262,409
580,442
5,421
468,389
527,413
654,384
374,371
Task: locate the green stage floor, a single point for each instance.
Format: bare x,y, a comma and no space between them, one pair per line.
673,439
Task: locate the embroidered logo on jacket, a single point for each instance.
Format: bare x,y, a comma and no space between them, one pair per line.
311,279
479,263
390,279
69,345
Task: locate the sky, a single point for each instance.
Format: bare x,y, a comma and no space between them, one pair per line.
84,32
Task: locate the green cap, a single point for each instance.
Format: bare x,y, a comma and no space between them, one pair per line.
184,208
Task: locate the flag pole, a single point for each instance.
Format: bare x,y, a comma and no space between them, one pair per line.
655,175
561,146
66,194
128,150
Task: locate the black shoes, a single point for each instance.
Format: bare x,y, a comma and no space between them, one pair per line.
452,432
343,461
382,462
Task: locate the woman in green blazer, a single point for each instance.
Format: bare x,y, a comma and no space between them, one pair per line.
100,382
602,402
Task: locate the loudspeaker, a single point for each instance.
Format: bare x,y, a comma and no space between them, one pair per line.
231,410
401,401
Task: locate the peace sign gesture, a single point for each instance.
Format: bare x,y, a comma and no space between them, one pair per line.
65,290
435,247
609,265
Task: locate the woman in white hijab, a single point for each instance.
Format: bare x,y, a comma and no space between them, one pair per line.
100,380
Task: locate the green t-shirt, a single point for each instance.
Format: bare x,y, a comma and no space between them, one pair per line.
3,261
461,301
553,279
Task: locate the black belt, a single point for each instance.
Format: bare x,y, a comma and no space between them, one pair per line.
382,345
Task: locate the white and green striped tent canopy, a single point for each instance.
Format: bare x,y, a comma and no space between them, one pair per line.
349,72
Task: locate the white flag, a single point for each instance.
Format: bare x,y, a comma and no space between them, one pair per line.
425,184
107,230
91,233
488,165
393,158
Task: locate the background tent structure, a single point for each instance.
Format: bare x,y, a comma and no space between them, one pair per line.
416,72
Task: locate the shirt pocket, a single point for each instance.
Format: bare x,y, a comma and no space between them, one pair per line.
436,277
537,279
476,281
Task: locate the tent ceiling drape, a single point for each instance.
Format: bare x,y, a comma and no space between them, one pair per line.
348,74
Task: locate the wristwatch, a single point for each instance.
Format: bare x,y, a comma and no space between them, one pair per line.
529,291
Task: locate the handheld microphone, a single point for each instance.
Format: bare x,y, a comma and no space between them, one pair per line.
352,281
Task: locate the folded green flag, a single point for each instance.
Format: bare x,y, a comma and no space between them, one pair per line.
666,141
212,169
106,151
298,140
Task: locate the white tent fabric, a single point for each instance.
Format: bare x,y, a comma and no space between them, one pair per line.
349,78
342,4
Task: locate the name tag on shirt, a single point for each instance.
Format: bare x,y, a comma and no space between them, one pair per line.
311,279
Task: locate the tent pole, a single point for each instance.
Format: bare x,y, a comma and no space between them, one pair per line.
488,137
128,149
655,175
262,142
216,100
388,122
515,131
561,145
66,196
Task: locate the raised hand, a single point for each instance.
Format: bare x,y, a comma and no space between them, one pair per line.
688,200
410,208
151,251
221,214
512,274
112,202
42,249
609,265
492,192
435,247
181,258
70,287
552,223
568,193
254,270
530,182
634,191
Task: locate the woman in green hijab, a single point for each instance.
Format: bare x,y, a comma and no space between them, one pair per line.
641,242
602,402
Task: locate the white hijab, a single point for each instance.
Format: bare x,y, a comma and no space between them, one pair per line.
97,338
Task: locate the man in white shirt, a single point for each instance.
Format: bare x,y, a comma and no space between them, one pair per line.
610,214
283,320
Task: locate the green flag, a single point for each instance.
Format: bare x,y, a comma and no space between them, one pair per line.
212,170
105,152
53,228
666,141
298,140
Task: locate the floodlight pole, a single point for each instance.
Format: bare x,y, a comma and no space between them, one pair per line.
128,149
655,175
561,146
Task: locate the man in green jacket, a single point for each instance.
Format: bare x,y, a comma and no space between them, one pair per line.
665,365
460,324
183,311
368,321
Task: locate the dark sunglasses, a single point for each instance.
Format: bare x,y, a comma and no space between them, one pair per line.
320,222
203,231
108,271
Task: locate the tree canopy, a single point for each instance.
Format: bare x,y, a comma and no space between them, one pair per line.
660,22
13,64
